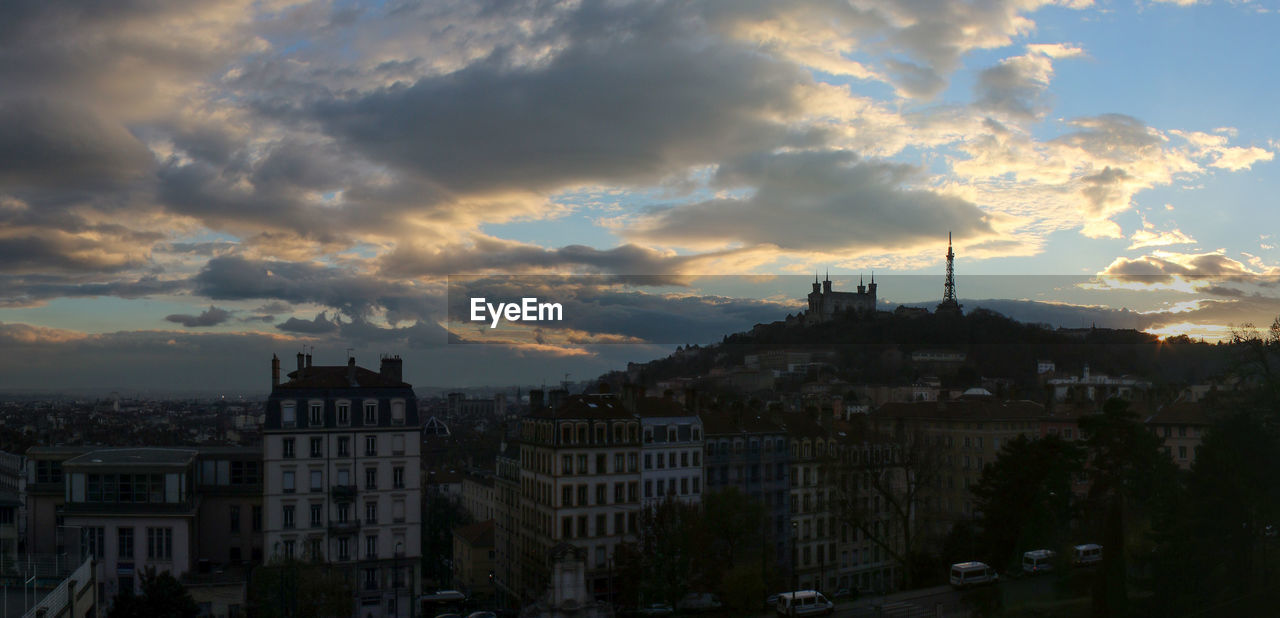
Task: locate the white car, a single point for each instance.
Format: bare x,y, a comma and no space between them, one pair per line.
804,603
966,574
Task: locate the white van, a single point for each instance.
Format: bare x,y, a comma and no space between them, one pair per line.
1038,561
804,603
966,574
1087,554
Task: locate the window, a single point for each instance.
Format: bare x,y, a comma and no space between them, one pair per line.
566,528
619,490
566,464
601,492
371,546
696,482
288,414
317,480
397,511
566,495
287,517
648,461
160,543
286,448
371,413
257,518
1182,452
370,446
288,548
684,486
619,462
648,489
397,477
287,483
317,447
397,413
234,514
602,462
316,418
371,478
124,543
344,548
662,487
371,512
313,549
397,444
344,446
684,459
371,579
95,541
582,464
582,495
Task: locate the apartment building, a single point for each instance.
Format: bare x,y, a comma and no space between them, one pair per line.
671,450
751,453
135,508
507,532
813,518
962,436
1182,426
341,477
579,484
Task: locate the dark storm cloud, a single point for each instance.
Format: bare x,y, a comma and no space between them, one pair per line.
62,145
609,107
815,201
318,326
212,316
488,254
352,293
30,289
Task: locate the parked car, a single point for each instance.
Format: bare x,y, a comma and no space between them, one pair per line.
804,603
845,593
967,574
699,602
771,601
657,609
1038,561
1087,555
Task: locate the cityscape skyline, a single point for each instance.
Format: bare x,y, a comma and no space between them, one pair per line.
186,188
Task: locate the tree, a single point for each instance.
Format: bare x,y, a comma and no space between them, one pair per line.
1025,496
1131,480
879,491
290,587
660,565
163,596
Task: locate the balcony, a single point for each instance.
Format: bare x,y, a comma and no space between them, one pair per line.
344,527
343,493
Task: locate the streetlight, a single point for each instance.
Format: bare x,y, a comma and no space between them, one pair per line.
795,568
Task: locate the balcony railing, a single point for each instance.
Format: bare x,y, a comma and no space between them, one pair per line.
344,527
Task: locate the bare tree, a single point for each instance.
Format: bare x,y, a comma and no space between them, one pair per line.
881,484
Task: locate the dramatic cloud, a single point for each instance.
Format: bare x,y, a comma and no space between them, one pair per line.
1015,87
212,316
815,201
1165,266
319,325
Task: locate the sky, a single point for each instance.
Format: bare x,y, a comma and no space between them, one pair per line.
187,189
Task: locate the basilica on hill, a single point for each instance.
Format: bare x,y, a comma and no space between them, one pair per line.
825,303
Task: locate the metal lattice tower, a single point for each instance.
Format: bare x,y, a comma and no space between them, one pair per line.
949,290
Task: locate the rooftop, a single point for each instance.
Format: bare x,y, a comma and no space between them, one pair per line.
339,376
135,457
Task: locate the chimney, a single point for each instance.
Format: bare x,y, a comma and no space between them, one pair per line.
275,371
535,400
351,371
392,368
308,361
301,359
557,397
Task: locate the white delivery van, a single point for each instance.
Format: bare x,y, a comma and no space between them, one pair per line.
1038,561
804,603
966,574
1087,554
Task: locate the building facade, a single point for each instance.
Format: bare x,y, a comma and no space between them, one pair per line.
671,452
341,485
751,453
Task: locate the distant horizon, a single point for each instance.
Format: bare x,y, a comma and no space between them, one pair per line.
185,189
